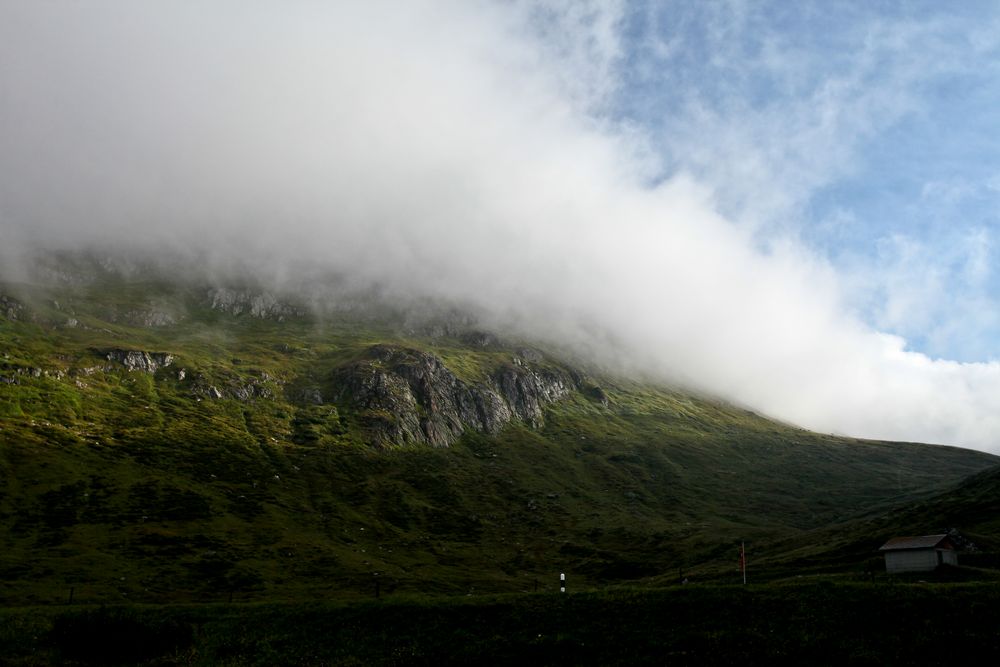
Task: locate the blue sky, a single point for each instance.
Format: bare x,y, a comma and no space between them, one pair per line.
867,130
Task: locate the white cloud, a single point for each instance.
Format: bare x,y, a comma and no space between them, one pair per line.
766,116
938,289
436,148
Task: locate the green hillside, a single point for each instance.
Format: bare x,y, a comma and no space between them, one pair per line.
970,510
166,441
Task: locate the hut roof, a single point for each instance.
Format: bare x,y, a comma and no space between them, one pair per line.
920,542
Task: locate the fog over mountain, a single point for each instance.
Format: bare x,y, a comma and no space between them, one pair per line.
460,150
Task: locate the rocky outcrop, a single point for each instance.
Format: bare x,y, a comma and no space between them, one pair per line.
150,318
11,308
409,396
250,389
528,390
79,268
262,305
138,360
596,393
305,395
243,388
12,373
483,339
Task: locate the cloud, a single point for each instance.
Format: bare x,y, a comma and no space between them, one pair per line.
936,289
767,103
446,149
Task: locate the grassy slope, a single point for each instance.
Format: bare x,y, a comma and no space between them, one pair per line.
971,506
126,486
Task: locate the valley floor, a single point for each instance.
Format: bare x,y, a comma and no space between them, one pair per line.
812,623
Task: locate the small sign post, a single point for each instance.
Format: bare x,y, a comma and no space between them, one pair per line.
562,582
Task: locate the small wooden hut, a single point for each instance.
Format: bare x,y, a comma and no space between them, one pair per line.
919,554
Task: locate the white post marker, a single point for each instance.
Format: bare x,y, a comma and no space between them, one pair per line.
562,582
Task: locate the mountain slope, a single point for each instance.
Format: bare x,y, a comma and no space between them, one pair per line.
164,440
970,509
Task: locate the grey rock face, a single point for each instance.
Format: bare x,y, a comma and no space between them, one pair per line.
230,385
482,339
150,318
410,396
262,305
137,360
306,395
529,390
12,373
11,308
249,391
596,393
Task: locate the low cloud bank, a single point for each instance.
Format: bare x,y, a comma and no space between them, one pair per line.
438,149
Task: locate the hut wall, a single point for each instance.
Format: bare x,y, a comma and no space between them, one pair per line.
911,560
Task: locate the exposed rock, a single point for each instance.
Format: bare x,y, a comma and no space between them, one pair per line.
30,371
77,268
306,395
150,318
200,388
961,541
262,305
13,372
250,391
232,386
434,321
55,275
595,393
137,360
530,355
479,339
410,396
11,308
528,390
